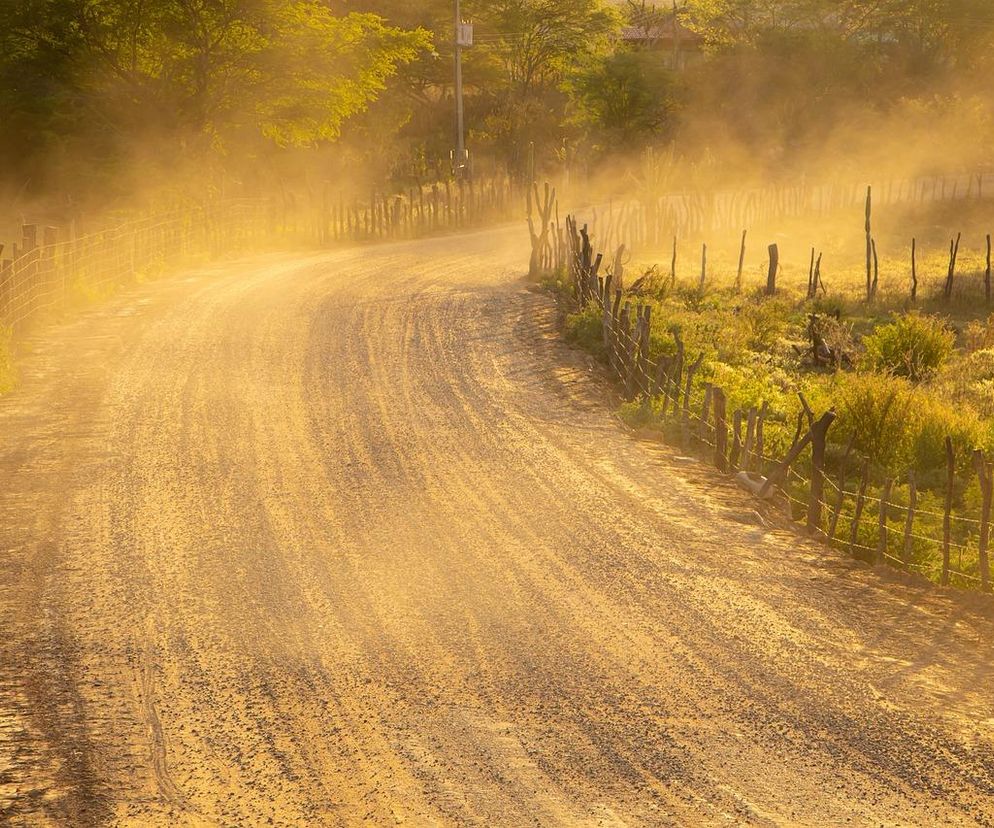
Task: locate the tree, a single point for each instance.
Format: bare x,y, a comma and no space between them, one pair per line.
624,99
199,77
530,49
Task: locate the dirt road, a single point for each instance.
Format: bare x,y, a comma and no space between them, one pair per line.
350,537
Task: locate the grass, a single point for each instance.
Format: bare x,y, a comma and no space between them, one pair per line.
911,375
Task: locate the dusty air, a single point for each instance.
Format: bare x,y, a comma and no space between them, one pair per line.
502,414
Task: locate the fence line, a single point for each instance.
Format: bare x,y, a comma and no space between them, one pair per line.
44,272
50,263
671,385
649,222
415,212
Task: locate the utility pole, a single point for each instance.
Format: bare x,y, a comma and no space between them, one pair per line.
463,37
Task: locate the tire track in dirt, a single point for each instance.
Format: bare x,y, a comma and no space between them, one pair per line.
358,541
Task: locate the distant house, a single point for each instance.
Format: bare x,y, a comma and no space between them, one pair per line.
680,45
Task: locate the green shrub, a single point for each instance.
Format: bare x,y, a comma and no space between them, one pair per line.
586,330
899,426
932,420
872,411
913,346
970,380
753,384
763,324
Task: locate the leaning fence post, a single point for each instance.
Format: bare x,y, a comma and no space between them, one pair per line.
946,517
860,503
984,473
882,522
800,443
819,433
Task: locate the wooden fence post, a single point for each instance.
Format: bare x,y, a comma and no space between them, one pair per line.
705,421
953,256
720,431
759,457
909,520
688,388
643,345
607,329
869,245
735,460
747,449
771,275
984,473
742,255
914,269
946,518
837,510
858,512
621,336
882,522
819,433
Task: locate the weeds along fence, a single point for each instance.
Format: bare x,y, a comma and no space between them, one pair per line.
51,264
649,222
418,211
881,521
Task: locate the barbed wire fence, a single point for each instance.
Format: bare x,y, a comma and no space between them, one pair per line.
52,264
948,547
648,223
49,264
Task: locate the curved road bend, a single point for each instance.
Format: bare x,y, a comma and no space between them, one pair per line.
350,537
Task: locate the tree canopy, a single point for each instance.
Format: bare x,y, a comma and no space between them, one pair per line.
189,77
362,90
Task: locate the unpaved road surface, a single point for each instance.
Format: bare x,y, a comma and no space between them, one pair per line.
350,537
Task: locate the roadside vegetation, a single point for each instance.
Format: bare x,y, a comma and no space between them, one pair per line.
902,377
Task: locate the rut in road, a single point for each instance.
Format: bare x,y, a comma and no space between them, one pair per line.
351,536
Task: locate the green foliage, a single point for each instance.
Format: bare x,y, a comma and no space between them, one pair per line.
586,330
764,324
898,426
970,380
624,97
641,413
912,346
194,79
753,384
